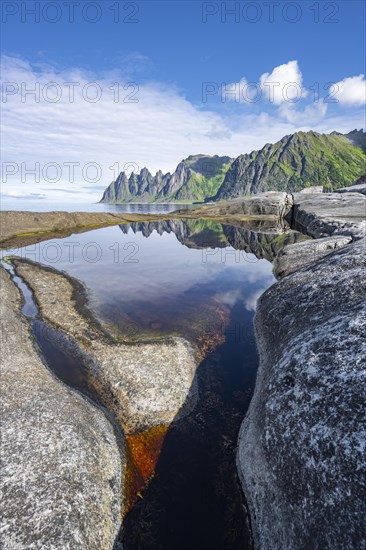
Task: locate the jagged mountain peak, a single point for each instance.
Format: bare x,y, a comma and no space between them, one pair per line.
194,179
298,160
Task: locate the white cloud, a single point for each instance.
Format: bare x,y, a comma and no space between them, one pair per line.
283,84
312,114
24,196
350,91
157,131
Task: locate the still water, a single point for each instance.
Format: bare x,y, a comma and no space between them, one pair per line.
8,203
181,278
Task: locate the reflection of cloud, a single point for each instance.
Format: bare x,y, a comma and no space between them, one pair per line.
230,298
251,301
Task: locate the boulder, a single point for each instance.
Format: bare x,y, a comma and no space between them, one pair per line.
321,215
295,256
301,455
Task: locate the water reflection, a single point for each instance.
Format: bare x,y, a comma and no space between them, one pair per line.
198,279
144,283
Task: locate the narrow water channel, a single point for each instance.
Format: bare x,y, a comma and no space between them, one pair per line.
185,280
58,354
194,500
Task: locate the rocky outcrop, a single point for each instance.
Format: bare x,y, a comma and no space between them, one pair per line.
322,215
359,186
301,454
302,447
294,256
270,206
61,469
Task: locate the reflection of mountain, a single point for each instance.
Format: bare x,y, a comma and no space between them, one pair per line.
263,245
191,233
208,234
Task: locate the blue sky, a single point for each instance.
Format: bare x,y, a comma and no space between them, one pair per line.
171,63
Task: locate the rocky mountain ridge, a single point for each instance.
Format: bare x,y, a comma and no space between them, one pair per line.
300,160
194,179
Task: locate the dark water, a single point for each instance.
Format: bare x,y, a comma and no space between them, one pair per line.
53,347
190,282
194,500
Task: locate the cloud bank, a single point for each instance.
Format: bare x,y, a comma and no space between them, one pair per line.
59,124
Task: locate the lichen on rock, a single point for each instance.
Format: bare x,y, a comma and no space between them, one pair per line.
62,470
301,453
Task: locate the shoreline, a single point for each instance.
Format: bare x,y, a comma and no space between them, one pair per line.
19,228
309,271
61,441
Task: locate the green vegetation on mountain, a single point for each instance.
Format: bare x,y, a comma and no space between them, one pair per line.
195,179
300,160
297,161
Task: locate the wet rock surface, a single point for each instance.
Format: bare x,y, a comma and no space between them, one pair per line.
19,228
62,470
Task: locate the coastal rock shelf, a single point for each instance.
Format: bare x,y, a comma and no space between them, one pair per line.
300,459
301,448
64,488
324,214
301,453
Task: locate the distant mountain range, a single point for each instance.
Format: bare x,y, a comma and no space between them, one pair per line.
300,160
194,179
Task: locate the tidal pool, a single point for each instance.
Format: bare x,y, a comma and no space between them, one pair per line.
149,280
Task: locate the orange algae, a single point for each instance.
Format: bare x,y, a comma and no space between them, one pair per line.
142,450
214,335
